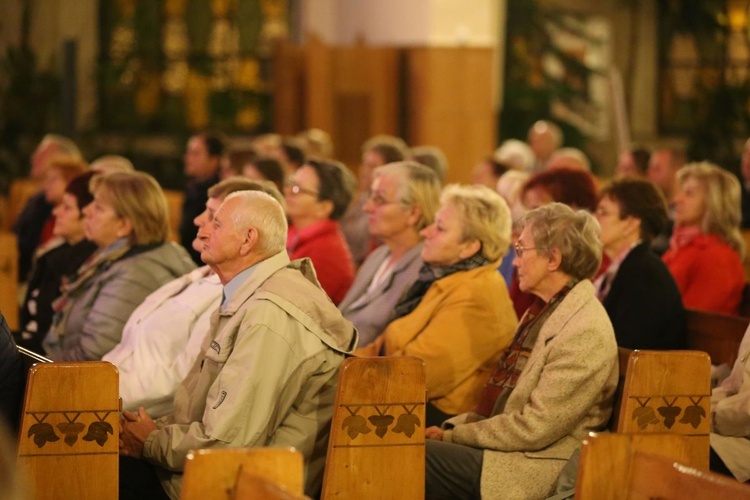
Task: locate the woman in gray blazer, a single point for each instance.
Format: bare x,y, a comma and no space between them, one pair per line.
403,200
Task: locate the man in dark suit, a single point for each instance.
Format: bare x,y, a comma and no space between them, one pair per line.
202,159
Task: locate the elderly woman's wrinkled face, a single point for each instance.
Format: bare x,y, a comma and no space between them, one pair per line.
443,239
532,264
386,218
689,202
103,225
68,220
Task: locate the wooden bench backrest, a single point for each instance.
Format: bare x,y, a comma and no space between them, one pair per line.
175,200
604,468
376,448
68,443
654,476
213,474
717,334
669,391
623,355
9,278
20,192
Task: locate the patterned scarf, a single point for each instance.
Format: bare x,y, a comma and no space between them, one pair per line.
428,275
512,362
97,263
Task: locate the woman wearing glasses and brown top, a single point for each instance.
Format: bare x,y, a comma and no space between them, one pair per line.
403,199
316,198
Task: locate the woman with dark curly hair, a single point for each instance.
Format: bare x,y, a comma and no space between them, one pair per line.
316,198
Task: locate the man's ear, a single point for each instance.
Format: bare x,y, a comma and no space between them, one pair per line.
251,241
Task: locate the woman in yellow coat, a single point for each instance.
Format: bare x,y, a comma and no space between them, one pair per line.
458,316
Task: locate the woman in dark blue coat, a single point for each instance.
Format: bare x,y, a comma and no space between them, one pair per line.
637,289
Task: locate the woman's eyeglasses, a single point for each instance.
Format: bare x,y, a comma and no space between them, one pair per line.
296,189
520,249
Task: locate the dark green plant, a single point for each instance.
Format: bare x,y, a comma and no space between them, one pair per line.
29,103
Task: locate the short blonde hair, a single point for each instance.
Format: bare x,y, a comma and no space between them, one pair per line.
419,186
574,233
723,214
137,197
485,217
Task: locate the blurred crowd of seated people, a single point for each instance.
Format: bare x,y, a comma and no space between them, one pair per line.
515,288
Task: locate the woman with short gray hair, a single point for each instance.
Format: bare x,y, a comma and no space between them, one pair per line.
552,386
404,197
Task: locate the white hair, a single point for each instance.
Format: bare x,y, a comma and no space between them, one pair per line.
516,154
571,158
509,187
264,213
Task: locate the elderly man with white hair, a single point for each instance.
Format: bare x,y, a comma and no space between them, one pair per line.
269,367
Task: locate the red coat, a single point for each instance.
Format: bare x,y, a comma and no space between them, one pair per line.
324,244
709,274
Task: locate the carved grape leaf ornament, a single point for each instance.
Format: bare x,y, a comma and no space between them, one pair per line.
644,415
355,424
694,413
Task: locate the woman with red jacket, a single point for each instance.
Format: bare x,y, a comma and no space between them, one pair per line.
316,198
706,249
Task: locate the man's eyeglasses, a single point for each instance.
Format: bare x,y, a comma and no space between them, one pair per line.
520,249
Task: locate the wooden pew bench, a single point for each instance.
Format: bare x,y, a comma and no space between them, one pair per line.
226,473
646,466
376,448
717,334
68,442
668,392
